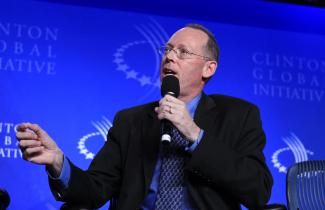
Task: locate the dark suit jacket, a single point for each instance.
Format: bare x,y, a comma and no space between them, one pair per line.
225,170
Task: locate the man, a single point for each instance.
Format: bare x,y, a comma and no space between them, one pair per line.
220,162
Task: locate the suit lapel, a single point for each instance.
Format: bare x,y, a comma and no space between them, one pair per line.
206,112
150,144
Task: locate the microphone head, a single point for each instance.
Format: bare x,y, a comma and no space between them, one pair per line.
170,86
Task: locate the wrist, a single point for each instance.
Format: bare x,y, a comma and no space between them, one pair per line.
55,167
194,134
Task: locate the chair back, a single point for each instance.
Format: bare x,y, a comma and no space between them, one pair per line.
306,186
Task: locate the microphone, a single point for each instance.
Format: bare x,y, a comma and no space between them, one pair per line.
169,86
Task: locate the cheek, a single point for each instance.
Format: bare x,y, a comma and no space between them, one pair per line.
190,74
190,78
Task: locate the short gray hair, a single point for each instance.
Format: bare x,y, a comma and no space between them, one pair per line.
212,47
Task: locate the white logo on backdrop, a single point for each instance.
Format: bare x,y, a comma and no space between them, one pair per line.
28,48
297,148
288,76
102,129
8,143
154,37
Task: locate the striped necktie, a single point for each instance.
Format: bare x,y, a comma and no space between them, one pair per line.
170,188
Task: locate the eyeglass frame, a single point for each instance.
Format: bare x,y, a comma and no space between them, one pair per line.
162,51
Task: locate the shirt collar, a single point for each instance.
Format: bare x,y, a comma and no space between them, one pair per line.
192,105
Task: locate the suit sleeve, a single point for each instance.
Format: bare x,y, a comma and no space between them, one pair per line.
233,160
95,186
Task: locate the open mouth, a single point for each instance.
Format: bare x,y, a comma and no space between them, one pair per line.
169,71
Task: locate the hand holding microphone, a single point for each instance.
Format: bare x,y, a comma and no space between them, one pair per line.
173,112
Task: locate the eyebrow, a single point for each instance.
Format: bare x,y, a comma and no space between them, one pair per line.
180,46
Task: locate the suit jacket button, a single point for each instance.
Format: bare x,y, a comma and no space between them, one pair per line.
59,195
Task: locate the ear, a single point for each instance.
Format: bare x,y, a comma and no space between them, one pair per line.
209,69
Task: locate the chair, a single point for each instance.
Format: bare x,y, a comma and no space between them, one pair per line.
306,185
4,199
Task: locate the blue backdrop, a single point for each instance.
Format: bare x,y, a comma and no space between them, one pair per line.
71,68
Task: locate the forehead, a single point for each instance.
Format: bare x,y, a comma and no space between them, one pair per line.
188,37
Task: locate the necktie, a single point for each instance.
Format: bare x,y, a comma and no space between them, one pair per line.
170,188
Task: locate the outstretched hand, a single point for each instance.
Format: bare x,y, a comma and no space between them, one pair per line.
38,147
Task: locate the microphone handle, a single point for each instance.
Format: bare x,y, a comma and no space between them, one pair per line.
166,130
166,127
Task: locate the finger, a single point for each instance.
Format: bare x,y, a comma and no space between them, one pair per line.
23,126
161,101
173,99
32,150
162,116
166,98
161,108
158,110
26,135
167,109
37,129
31,127
172,103
176,106
171,108
166,104
35,156
23,144
165,113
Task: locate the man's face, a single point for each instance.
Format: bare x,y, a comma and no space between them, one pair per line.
189,70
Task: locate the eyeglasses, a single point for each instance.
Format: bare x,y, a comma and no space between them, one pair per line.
181,53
